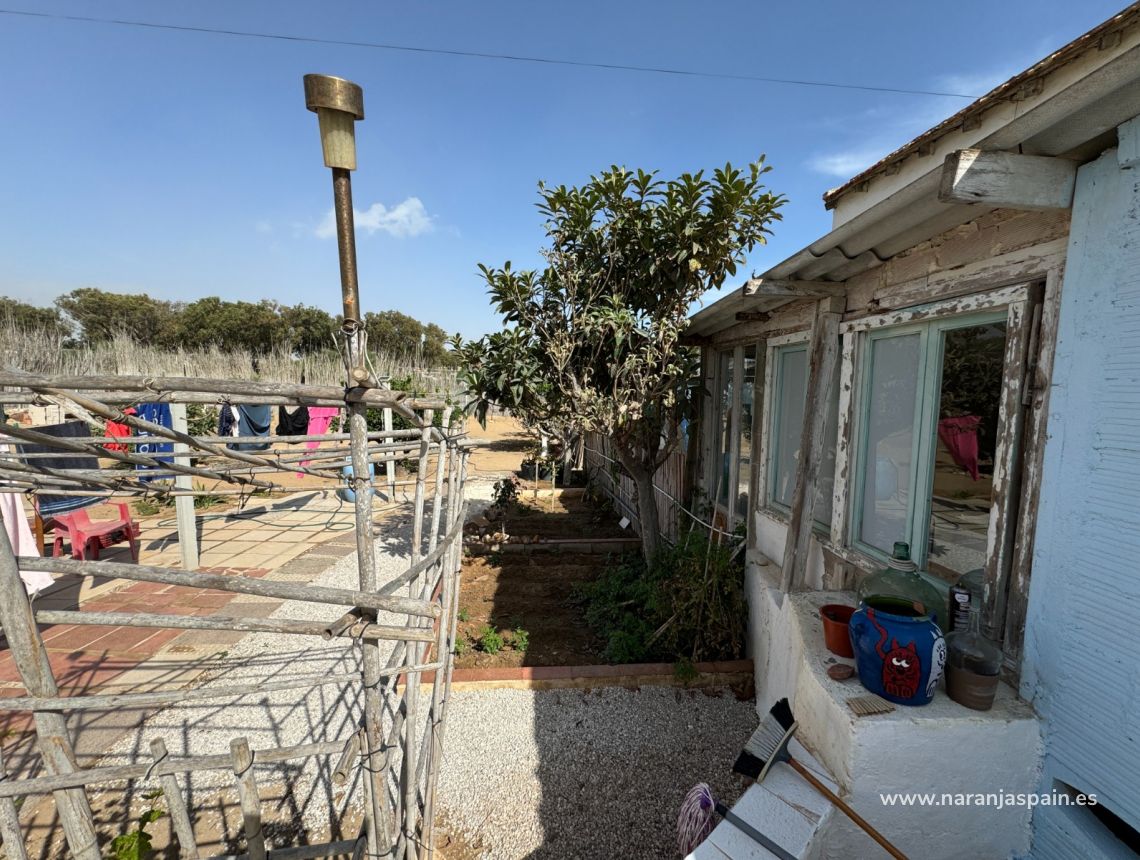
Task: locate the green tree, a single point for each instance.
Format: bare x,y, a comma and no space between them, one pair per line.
31,318
306,329
398,334
229,325
101,316
593,339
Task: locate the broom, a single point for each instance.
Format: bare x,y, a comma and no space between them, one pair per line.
695,822
769,744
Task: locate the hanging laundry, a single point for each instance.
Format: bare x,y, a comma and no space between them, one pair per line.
20,536
292,420
155,413
68,430
960,436
119,431
320,417
228,420
253,421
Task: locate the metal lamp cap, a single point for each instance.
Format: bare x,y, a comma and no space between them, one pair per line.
326,91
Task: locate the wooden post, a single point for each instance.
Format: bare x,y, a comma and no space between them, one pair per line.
379,822
184,505
10,823
418,504
179,816
390,460
54,743
759,441
248,797
824,355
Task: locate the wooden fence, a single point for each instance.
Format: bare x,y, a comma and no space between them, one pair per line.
404,725
607,473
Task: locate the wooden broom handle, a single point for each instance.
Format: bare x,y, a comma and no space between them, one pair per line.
846,810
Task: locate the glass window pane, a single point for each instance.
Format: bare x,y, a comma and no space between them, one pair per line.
747,396
725,435
791,392
973,359
887,466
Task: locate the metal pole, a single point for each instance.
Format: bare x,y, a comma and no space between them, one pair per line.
184,505
338,103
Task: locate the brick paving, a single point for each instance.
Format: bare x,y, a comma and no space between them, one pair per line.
294,538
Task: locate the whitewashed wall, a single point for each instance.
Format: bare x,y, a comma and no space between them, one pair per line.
1081,670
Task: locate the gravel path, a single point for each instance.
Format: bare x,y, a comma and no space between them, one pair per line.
552,774
585,774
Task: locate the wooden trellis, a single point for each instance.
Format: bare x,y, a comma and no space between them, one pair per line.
397,716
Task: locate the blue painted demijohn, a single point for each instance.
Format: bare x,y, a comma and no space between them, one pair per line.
899,648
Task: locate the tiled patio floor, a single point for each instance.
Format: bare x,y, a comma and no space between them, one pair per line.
264,540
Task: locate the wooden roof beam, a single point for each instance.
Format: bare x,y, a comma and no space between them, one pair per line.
1008,180
780,288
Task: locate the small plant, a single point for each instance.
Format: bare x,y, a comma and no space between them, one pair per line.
205,500
147,506
505,494
684,671
136,844
520,639
460,647
490,642
463,614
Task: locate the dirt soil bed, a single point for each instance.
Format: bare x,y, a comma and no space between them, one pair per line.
535,590
562,517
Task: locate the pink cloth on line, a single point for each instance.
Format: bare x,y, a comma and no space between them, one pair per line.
21,538
960,436
320,417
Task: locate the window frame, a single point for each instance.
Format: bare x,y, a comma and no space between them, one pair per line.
928,391
773,348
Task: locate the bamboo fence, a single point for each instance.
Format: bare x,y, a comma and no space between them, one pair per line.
399,722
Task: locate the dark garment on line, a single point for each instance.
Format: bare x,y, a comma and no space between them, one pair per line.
49,505
295,423
227,420
253,421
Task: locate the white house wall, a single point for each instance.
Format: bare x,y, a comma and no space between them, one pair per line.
1081,670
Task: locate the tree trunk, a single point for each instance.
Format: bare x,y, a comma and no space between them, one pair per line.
646,508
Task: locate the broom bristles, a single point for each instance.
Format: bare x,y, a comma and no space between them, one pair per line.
695,821
768,744
782,712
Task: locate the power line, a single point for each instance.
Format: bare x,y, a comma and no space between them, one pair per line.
414,49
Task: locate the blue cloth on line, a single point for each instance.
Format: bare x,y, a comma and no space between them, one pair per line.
155,413
253,421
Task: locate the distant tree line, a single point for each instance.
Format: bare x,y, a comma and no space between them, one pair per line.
87,316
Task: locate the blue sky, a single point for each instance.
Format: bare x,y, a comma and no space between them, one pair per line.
185,165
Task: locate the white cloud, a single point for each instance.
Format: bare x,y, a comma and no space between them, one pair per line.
403,220
846,164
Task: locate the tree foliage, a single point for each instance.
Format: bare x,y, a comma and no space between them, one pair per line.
31,318
593,339
89,315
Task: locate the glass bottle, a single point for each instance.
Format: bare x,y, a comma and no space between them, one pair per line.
973,663
901,589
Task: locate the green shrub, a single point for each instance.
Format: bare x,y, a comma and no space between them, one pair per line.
490,642
463,614
689,605
520,639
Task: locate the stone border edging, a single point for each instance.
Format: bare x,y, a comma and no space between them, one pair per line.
715,673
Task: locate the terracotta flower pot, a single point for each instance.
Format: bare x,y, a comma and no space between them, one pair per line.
836,632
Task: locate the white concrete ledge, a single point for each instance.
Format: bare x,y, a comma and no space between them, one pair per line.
942,749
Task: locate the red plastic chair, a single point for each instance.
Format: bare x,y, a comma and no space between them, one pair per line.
88,537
